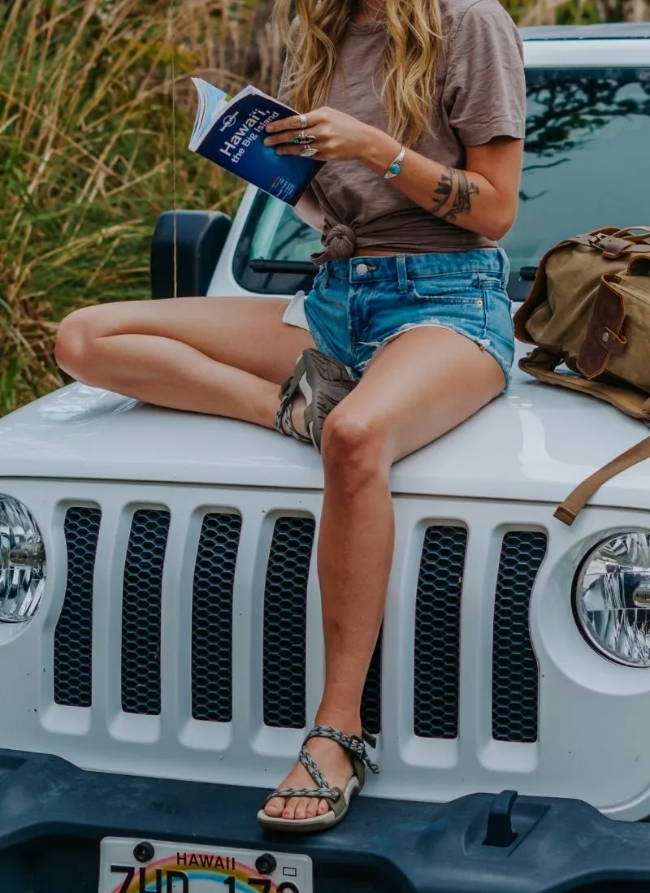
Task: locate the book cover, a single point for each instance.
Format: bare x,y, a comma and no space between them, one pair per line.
230,132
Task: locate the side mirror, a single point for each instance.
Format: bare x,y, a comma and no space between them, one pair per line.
200,237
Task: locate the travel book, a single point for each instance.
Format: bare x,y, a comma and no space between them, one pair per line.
230,132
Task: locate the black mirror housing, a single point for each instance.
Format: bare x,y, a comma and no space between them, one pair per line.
200,237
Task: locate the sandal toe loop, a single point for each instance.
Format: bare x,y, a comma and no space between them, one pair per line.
298,792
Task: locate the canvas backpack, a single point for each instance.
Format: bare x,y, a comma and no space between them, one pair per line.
589,308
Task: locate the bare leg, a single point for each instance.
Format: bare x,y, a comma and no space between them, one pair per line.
422,384
224,356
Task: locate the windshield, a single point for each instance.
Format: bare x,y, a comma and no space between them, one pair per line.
585,165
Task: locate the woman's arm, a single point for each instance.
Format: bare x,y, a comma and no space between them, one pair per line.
482,198
484,96
308,209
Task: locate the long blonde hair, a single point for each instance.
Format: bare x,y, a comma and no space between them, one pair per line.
413,46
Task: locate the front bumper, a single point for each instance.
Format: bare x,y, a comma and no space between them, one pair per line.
53,815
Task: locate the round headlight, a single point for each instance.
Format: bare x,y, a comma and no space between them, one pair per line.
612,598
22,562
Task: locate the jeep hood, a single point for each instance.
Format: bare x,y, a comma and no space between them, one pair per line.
533,444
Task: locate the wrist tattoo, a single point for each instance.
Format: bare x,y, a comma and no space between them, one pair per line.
453,184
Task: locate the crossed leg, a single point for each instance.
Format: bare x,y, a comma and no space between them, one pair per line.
220,355
417,387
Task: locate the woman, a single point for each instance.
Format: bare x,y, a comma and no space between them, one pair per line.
419,108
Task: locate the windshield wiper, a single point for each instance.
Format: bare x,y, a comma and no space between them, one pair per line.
299,267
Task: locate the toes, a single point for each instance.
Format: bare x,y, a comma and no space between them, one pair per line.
275,806
302,806
290,808
312,806
296,807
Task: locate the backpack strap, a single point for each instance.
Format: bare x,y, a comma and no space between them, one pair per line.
628,231
541,364
577,499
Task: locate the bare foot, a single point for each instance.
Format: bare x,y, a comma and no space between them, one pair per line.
336,765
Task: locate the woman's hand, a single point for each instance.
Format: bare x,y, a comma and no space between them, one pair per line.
339,136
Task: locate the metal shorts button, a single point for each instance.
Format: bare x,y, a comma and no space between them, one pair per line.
362,268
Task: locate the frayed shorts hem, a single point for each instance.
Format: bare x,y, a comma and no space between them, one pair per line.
354,299
483,343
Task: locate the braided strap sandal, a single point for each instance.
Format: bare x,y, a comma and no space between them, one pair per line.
323,382
339,799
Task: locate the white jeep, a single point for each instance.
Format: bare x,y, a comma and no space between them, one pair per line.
160,639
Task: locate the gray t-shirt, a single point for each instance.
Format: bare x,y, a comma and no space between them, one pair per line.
481,93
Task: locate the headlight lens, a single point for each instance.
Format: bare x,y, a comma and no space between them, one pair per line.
612,598
22,562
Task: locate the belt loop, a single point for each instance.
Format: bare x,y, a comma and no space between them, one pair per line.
402,278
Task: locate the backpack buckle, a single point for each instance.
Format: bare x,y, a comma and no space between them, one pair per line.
611,246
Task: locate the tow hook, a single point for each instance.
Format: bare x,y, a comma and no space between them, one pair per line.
499,823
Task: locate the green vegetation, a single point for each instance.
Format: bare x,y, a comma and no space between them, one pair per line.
86,148
87,138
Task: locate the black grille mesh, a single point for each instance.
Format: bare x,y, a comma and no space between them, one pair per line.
285,601
371,701
437,632
74,629
514,670
214,576
437,624
141,611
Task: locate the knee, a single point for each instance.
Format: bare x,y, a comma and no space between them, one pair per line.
352,448
74,339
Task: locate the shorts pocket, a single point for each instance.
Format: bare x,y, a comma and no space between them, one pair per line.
452,288
324,289
491,281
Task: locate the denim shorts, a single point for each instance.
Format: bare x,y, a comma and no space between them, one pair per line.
358,304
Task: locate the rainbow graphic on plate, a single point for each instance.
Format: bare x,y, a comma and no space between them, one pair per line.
175,874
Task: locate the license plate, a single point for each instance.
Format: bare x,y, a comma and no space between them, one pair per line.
132,865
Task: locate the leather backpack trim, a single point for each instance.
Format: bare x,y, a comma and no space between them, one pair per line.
604,330
611,246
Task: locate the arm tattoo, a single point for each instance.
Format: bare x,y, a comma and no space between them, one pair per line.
461,197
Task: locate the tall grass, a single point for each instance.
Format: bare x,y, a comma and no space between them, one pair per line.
86,153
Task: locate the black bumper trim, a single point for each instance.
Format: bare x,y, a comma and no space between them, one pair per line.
53,814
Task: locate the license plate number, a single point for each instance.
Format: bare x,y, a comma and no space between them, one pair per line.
170,867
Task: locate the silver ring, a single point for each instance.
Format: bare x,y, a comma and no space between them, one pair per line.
303,119
308,150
